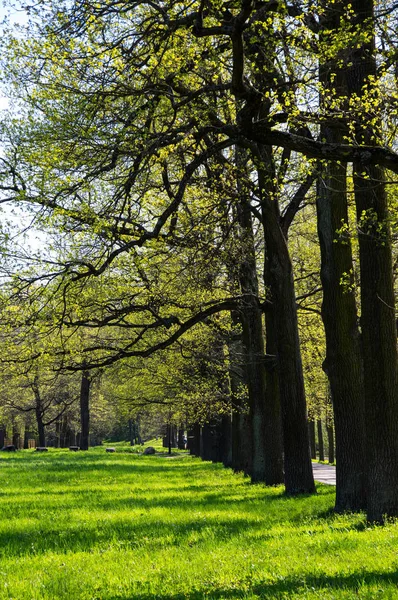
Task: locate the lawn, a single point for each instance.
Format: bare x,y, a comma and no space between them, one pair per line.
116,526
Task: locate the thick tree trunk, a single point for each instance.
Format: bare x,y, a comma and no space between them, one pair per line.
379,334
2,435
273,416
297,460
85,410
321,449
265,420
343,364
254,349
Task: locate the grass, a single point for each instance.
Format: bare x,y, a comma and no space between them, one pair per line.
103,526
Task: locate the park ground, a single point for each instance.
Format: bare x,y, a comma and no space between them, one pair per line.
120,526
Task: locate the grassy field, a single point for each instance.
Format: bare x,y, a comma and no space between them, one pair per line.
117,526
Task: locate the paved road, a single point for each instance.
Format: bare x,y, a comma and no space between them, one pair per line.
324,473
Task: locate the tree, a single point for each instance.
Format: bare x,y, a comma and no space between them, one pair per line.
343,362
180,88
379,333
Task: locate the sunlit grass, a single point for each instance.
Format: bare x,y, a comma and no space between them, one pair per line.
116,526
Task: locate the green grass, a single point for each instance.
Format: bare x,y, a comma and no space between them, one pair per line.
92,525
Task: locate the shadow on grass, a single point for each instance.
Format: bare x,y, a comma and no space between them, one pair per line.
283,588
49,509
122,533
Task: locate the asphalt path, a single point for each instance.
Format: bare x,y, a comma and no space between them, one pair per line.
324,473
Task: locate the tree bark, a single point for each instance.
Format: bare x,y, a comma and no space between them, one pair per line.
330,432
194,440
169,438
273,417
181,443
226,433
311,432
85,410
378,325
39,413
40,428
205,442
240,427
321,449
2,435
297,461
343,364
265,420
57,433
131,432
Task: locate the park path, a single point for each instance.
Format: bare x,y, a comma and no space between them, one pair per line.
324,473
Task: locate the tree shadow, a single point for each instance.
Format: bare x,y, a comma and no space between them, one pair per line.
284,588
122,533
142,528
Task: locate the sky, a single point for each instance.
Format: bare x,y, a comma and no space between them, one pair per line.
18,17
33,240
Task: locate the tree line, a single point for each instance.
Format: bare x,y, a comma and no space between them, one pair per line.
193,167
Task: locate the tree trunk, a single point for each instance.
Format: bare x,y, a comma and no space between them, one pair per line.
85,410
329,429
57,433
194,440
131,432
226,434
39,414
169,437
379,334
311,433
321,449
205,442
15,437
264,420
174,442
40,427
2,435
138,430
297,461
181,443
273,439
343,364
240,427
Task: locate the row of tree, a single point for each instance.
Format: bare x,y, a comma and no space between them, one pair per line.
179,159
